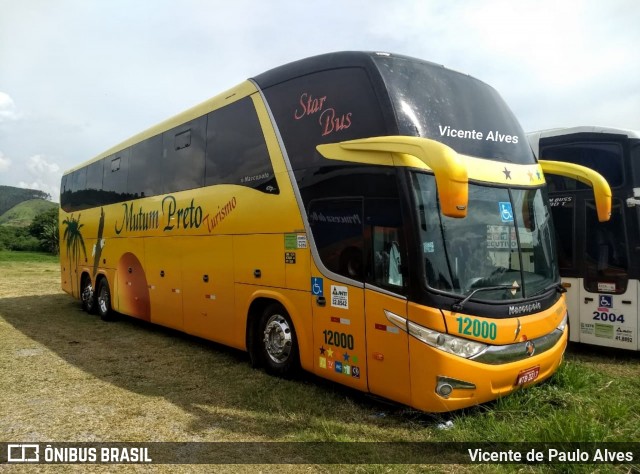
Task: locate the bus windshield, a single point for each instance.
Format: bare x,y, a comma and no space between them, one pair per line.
462,112
506,240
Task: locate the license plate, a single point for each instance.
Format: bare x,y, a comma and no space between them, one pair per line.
528,375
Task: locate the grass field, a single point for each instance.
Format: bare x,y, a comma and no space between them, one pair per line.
68,376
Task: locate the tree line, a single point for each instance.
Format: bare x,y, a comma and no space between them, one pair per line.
40,236
11,196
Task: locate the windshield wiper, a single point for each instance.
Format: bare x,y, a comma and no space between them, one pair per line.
558,287
460,304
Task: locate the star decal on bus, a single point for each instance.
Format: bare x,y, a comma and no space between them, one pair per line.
507,173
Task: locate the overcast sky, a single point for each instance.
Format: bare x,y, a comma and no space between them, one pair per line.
77,77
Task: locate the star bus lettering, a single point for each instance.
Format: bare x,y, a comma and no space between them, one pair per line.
507,173
309,105
329,120
332,122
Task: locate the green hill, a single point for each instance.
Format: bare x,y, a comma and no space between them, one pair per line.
23,213
10,196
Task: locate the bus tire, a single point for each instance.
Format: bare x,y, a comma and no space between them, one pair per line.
103,301
278,343
87,295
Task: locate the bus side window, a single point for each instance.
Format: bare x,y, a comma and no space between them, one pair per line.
236,149
563,212
78,186
114,178
384,230
145,169
94,183
183,156
65,193
337,226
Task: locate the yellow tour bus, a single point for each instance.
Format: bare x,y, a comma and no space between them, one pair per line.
377,220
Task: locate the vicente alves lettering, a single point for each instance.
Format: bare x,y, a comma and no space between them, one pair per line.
491,135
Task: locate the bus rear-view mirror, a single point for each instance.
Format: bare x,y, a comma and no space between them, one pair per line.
449,168
600,186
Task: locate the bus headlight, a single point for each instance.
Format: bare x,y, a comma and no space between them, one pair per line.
445,342
563,323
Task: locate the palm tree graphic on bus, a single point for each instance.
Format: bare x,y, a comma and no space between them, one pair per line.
74,241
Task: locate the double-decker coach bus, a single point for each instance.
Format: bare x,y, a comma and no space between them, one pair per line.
378,220
599,262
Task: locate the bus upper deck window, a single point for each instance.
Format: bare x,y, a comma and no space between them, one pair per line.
183,140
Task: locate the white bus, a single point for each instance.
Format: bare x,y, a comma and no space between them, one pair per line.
599,261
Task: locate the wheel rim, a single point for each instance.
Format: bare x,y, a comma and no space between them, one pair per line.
278,338
103,299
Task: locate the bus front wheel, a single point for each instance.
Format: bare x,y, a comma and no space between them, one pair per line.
103,301
278,342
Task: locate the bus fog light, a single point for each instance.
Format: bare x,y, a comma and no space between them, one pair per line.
444,390
446,385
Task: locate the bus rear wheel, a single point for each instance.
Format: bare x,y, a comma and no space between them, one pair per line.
278,342
87,295
103,301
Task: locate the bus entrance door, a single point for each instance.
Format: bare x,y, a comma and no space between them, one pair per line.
338,299
608,298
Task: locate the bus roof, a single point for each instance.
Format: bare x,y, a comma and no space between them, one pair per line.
534,137
272,77
267,79
324,62
555,132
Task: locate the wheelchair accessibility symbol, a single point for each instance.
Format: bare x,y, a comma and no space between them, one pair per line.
606,301
506,211
317,286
